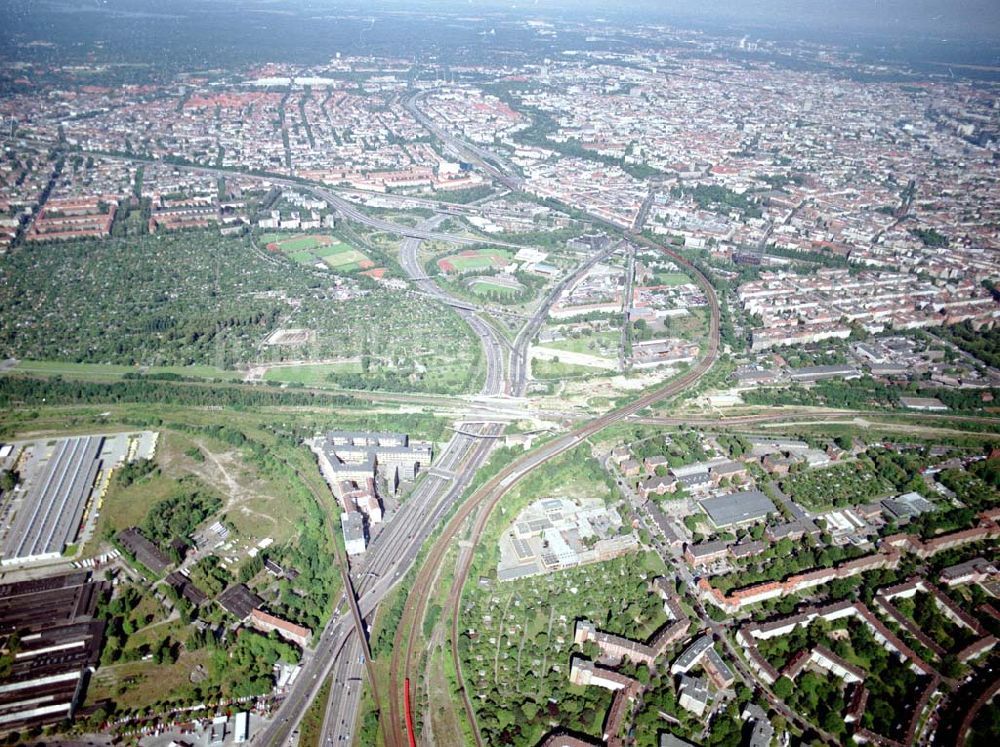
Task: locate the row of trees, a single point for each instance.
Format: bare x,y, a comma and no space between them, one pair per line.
20,391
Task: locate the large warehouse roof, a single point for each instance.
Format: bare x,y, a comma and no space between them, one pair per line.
737,508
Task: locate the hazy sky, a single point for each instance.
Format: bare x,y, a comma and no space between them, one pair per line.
895,29
980,18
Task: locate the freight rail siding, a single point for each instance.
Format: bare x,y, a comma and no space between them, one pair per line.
485,500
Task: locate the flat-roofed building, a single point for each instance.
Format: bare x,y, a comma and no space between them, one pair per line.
143,550
357,455
353,526
50,512
672,740
820,373
908,506
930,404
241,733
745,507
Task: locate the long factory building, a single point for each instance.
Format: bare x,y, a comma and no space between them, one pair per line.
50,513
59,640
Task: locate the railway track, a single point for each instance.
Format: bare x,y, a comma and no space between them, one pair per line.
928,419
481,504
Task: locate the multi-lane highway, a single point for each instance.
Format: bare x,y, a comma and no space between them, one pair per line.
493,345
389,556
340,652
352,212
491,163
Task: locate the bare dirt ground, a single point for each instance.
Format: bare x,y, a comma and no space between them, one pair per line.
250,502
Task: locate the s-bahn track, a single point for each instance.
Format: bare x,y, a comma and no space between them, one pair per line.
481,505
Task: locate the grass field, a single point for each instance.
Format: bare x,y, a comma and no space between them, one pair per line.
127,507
252,504
348,259
304,243
308,249
485,286
311,375
474,259
546,370
603,343
147,682
671,279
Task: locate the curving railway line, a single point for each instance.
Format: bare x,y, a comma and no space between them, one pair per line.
394,549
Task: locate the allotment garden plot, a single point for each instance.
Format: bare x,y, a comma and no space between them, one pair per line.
198,299
516,640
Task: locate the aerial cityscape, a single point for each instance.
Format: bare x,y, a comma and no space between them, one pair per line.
467,373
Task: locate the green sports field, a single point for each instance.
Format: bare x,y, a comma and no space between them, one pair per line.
304,243
348,259
474,259
671,279
303,257
309,249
